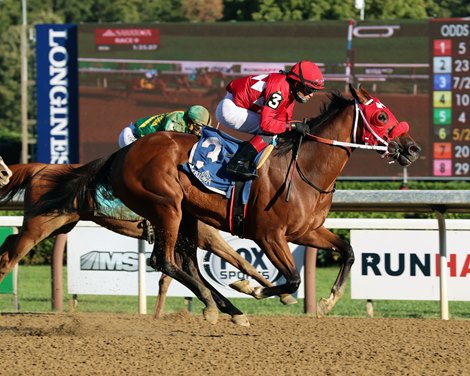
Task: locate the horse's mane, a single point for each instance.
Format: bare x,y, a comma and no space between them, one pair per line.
328,112
69,189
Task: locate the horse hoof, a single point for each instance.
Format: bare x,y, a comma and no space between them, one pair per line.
241,320
211,315
242,286
287,299
258,293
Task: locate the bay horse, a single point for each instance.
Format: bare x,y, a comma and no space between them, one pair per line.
33,180
147,176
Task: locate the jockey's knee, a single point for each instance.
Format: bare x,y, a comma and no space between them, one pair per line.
127,137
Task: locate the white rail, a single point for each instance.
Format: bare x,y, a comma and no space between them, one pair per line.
438,202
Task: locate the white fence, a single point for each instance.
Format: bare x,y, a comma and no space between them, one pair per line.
438,202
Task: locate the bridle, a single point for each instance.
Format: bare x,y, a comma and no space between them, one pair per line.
358,112
354,144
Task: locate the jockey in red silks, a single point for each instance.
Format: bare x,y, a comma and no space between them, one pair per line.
263,105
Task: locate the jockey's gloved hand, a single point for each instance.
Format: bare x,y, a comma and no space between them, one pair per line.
299,127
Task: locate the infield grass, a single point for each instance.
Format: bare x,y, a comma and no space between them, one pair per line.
34,293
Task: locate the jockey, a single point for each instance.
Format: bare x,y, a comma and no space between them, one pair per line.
263,105
189,121
147,82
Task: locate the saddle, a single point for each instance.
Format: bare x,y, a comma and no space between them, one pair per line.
208,162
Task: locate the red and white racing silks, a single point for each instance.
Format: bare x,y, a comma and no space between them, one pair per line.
268,95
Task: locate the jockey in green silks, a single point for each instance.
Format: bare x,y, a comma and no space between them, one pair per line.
189,121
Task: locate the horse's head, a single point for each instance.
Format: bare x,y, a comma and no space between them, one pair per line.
381,126
5,173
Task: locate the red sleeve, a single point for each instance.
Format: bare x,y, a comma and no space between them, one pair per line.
270,123
278,107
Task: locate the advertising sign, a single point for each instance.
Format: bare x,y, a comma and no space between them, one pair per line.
102,262
261,68
135,39
57,93
404,265
7,286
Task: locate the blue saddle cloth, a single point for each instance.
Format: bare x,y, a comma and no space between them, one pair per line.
208,162
106,205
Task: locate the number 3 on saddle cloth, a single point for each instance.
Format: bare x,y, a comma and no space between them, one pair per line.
208,162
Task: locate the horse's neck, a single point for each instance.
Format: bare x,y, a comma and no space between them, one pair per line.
328,161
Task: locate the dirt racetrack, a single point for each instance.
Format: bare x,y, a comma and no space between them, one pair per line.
184,344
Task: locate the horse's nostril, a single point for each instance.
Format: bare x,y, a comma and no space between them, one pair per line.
414,149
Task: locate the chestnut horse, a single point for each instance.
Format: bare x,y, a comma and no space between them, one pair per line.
33,180
147,176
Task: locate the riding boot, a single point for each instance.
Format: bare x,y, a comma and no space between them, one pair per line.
241,165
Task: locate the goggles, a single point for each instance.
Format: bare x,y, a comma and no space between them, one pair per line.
304,89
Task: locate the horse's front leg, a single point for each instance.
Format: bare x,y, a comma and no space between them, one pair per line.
278,252
325,239
211,240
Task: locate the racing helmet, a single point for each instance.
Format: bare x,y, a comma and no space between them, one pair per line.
197,116
150,74
304,78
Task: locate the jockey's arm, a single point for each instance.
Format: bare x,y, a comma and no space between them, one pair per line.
274,120
175,122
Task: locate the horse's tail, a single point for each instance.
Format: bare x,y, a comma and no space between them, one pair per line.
70,190
22,174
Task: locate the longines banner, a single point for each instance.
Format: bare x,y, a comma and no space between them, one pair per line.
101,262
404,265
57,93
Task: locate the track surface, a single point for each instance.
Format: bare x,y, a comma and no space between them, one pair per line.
183,344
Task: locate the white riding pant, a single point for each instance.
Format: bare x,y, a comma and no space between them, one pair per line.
127,136
237,118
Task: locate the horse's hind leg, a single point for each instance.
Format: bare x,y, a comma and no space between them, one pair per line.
163,285
163,259
7,257
238,317
33,231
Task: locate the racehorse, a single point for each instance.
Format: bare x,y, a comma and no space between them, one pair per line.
287,203
33,180
5,173
156,85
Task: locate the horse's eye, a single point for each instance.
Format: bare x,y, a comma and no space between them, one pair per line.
383,118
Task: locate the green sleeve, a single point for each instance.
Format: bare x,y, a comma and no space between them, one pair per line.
174,121
149,124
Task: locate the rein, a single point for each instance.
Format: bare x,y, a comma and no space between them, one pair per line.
343,144
354,144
